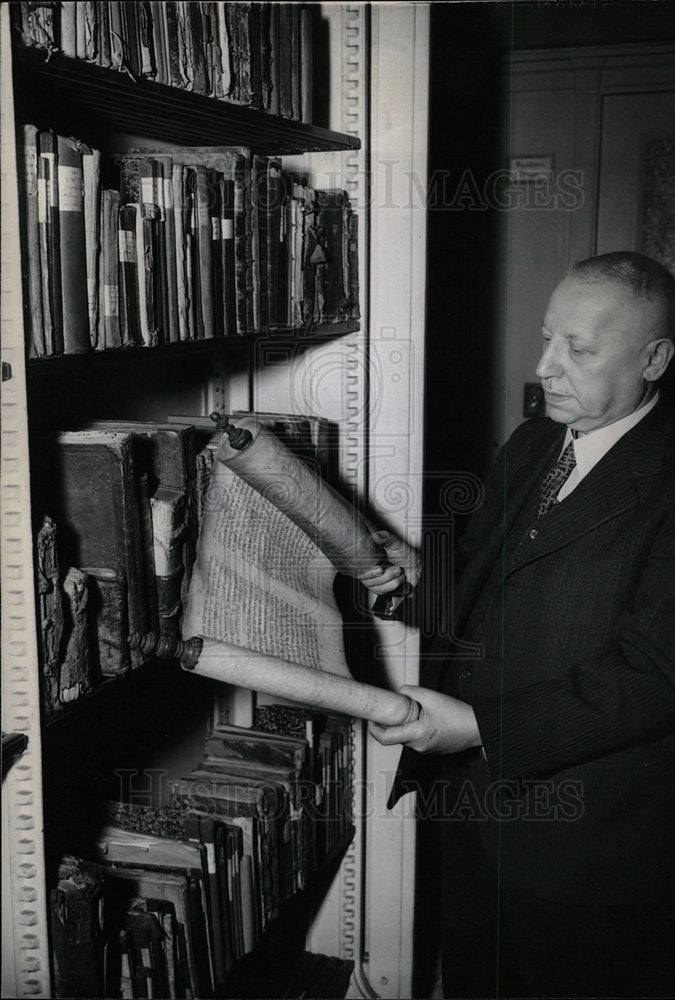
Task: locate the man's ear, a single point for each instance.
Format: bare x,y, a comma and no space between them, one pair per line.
658,355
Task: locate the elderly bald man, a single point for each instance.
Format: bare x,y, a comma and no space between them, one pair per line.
553,751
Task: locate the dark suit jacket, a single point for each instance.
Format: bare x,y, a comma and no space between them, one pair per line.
574,692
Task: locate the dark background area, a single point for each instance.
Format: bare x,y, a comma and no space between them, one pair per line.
468,44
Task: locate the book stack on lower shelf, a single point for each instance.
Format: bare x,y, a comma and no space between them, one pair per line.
114,549
252,54
195,244
118,505
170,900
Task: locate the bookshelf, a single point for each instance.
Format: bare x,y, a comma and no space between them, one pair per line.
355,913
82,743
176,116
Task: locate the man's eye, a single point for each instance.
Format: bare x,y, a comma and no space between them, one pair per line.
577,350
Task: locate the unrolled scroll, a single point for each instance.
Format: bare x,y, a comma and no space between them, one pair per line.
261,594
266,464
325,691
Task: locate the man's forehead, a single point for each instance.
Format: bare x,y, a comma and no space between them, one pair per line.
598,307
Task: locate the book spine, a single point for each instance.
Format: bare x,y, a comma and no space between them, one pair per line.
241,244
224,84
178,186
108,606
254,44
200,83
201,831
173,56
354,291
146,46
193,272
90,17
128,299
215,215
256,211
295,61
227,250
104,40
285,35
159,21
306,63
170,250
109,289
205,249
145,275
117,38
43,248
263,41
274,73
30,236
133,538
69,28
91,176
72,248
49,170
130,34
161,286
80,33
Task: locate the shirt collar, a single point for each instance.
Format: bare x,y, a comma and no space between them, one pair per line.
590,448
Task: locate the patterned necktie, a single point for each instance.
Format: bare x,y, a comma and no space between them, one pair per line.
554,479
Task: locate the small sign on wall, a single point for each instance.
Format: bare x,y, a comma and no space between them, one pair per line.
526,169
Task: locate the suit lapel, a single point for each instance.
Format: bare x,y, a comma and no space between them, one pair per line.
614,485
521,472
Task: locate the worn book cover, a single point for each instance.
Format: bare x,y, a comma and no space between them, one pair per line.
72,251
77,931
95,490
30,239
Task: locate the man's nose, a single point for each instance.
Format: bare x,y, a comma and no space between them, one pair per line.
550,364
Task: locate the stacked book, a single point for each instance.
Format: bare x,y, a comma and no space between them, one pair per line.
198,243
169,899
253,54
119,504
115,548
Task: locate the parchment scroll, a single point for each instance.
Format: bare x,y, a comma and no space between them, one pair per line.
261,595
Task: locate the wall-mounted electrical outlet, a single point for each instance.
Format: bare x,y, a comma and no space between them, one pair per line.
533,400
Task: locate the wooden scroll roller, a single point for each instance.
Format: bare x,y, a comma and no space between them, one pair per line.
258,457
325,691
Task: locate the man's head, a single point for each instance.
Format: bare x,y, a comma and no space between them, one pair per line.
608,335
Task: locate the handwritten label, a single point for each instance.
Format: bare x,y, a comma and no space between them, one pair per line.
127,245
70,189
111,300
42,199
147,191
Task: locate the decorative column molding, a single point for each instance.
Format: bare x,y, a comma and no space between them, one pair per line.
25,957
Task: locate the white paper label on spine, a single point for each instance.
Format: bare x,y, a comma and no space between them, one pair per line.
127,244
147,191
110,300
70,189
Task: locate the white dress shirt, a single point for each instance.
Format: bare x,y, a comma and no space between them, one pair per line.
591,447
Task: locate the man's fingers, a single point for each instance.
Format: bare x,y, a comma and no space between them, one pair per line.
390,735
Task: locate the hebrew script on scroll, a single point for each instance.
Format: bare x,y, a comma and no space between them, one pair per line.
272,537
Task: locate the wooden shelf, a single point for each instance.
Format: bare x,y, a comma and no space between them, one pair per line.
165,113
69,363
106,688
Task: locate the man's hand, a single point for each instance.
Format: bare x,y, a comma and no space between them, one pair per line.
405,565
445,725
